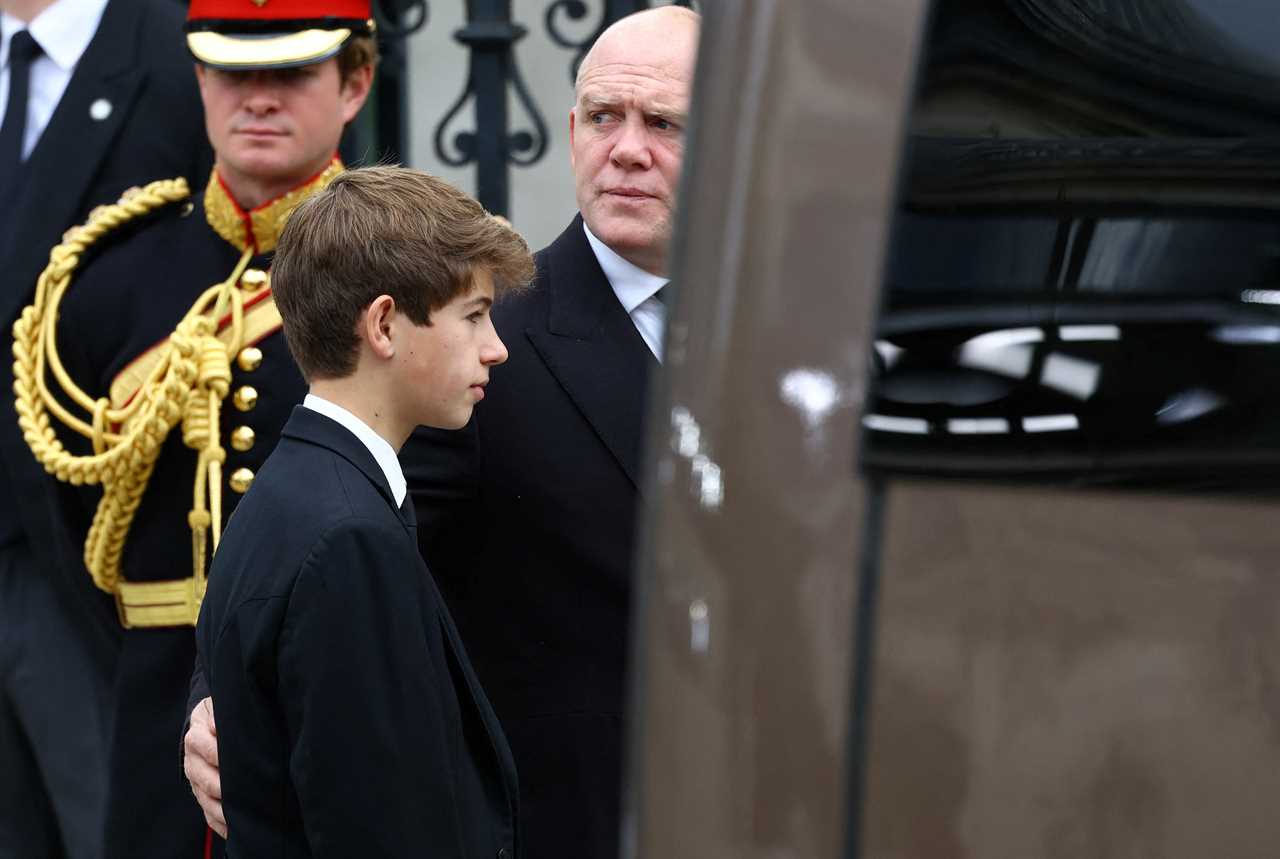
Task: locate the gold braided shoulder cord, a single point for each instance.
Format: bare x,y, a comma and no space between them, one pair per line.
187,385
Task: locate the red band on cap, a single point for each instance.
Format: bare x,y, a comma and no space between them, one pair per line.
277,10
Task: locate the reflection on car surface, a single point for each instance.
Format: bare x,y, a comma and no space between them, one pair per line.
1084,283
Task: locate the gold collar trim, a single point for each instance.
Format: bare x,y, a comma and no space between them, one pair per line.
260,227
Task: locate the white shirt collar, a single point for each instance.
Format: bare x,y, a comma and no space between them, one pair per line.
632,284
63,30
382,451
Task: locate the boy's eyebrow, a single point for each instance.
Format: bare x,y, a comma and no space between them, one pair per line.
482,300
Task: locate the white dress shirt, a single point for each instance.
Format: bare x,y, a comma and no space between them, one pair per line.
635,288
63,31
382,451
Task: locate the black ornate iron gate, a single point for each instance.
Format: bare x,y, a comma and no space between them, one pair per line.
494,145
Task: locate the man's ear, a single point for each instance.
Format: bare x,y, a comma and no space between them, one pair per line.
200,81
375,326
355,89
573,121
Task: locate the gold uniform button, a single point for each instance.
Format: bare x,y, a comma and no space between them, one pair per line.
241,479
242,438
245,397
253,279
249,359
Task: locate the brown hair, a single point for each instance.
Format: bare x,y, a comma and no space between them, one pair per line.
357,52
383,231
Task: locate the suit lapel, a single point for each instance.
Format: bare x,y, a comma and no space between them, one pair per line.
592,347
73,145
310,426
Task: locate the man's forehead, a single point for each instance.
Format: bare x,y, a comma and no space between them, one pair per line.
610,82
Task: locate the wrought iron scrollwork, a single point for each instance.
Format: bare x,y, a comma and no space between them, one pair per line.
464,142
576,10
400,19
533,142
490,36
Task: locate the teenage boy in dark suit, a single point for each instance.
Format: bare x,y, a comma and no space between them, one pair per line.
350,721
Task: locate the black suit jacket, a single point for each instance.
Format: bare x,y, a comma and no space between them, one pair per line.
137,62
350,721
528,521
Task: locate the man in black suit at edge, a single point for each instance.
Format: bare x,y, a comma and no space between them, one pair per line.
326,644
96,96
528,521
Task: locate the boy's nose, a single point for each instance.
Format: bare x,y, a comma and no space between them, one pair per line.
495,352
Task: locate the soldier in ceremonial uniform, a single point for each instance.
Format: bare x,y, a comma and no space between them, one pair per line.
154,345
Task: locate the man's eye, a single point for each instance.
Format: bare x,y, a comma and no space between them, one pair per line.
600,117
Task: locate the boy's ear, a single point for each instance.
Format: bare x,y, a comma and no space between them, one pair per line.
375,326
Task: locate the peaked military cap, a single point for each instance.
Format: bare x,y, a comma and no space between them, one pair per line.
243,35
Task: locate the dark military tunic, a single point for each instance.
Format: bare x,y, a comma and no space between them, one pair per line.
125,302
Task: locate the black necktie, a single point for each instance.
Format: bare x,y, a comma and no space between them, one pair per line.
22,51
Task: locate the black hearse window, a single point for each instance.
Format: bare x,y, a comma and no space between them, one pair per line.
1083,283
